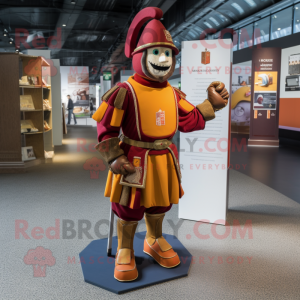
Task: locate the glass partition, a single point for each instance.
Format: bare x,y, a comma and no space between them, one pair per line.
297,18
245,37
262,31
281,23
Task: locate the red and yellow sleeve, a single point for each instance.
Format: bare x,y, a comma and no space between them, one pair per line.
109,117
190,118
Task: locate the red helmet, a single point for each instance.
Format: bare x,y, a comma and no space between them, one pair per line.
154,34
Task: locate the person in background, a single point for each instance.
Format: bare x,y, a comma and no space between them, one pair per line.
70,110
91,107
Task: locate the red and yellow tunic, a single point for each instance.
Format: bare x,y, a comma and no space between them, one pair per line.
151,111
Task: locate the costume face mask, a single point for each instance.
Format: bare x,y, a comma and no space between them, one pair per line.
159,63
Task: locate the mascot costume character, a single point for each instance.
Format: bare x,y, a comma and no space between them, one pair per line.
144,176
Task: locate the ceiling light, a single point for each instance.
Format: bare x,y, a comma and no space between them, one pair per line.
250,3
4,32
64,25
275,17
279,29
11,40
73,2
296,7
17,50
207,24
237,7
214,20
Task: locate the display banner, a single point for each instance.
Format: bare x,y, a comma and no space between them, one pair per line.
204,154
266,63
75,82
241,97
289,117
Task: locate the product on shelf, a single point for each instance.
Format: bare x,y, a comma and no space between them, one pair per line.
27,126
44,83
34,80
46,126
24,81
46,105
27,153
26,102
49,154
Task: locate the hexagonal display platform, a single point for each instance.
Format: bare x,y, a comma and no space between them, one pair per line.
98,268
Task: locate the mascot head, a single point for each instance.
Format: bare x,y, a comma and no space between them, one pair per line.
154,55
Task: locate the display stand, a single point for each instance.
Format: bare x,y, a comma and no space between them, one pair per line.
14,67
204,156
264,117
98,268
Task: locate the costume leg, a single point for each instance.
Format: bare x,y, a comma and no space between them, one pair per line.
125,267
155,244
126,213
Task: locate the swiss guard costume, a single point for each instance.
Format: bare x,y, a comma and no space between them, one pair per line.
144,176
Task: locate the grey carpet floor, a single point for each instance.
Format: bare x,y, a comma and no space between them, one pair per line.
269,262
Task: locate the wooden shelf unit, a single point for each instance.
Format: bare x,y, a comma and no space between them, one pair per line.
13,67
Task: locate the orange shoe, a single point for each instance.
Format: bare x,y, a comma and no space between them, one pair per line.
155,244
125,267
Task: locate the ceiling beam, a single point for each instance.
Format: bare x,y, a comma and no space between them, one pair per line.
75,11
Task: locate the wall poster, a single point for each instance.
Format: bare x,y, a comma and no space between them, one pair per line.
265,97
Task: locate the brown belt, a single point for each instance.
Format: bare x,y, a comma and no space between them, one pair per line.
156,145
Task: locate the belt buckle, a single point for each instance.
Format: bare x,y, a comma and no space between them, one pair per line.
160,144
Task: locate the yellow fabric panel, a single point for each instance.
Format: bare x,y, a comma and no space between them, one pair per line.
185,105
133,191
162,186
116,189
117,117
98,115
150,101
107,191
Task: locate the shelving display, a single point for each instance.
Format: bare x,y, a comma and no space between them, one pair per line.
26,104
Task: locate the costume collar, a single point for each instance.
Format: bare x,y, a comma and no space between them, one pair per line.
149,83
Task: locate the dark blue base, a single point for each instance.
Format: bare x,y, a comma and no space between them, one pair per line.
98,268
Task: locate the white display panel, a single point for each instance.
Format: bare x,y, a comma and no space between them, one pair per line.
204,165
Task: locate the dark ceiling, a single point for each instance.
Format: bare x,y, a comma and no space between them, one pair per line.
95,30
